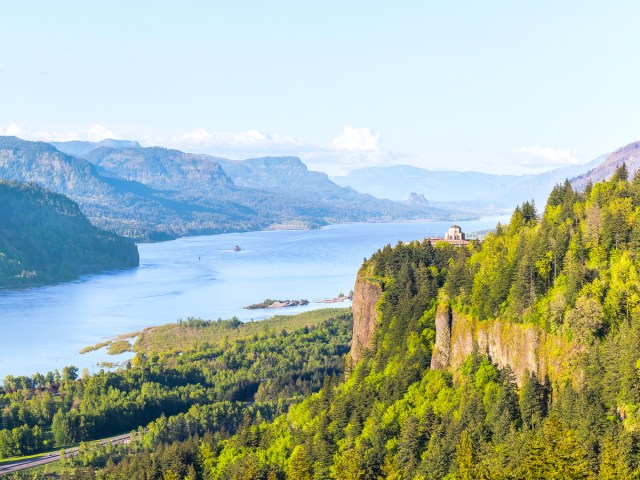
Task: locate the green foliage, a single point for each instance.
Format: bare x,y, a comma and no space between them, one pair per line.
182,393
46,238
194,332
572,271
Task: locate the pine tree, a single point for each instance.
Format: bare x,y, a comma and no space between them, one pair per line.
565,456
612,463
299,464
531,402
409,443
465,457
621,173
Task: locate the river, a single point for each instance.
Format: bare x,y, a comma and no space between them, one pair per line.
44,328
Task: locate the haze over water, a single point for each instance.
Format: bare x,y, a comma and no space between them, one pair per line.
44,328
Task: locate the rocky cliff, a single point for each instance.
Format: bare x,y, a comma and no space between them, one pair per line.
526,348
366,295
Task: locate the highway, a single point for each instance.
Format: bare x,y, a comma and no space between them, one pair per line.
55,456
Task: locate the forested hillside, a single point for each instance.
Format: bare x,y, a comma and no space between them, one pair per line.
570,270
573,271
44,237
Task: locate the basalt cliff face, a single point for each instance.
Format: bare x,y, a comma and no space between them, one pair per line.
366,295
525,348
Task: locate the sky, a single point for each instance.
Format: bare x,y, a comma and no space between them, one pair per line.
493,86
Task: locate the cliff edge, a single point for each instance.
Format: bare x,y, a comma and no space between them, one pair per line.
524,347
366,294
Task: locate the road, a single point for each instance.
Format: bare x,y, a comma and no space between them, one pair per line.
55,456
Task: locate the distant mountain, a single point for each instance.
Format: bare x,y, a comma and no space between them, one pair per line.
163,169
158,193
289,176
417,199
278,174
119,204
629,154
399,181
450,187
78,147
42,163
44,237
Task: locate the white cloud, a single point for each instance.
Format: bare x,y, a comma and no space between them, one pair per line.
203,139
544,158
357,140
13,130
95,133
352,148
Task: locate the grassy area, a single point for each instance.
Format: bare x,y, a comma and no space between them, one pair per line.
185,335
119,346
93,348
115,346
4,461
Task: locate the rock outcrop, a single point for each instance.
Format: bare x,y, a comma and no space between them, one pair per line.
524,347
442,348
366,295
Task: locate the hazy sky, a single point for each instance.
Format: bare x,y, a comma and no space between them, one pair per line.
505,87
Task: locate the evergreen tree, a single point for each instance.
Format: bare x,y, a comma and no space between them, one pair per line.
409,445
531,402
466,458
621,173
299,464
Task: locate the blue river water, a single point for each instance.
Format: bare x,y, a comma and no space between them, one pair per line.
44,328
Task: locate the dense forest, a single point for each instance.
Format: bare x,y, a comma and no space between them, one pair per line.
44,237
243,370
570,270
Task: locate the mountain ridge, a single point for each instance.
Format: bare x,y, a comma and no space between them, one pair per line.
629,154
80,147
449,187
154,193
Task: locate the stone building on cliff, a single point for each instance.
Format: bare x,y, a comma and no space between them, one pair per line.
454,236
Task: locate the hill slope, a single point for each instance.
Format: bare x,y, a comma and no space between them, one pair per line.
157,193
110,202
275,189
44,237
290,177
629,154
163,169
570,276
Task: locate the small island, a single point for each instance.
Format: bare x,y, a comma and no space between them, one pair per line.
271,303
340,298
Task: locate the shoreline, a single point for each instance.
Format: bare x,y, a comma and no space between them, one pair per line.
98,306
274,228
